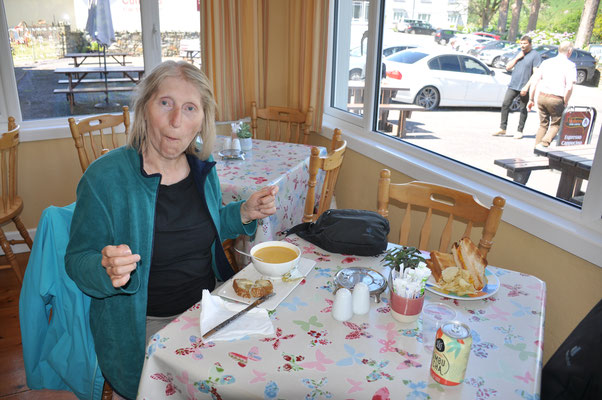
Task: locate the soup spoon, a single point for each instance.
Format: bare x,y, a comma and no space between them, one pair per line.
248,255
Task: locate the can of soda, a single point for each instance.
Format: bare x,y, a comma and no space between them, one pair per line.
450,355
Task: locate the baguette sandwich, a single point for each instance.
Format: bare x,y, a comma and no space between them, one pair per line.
468,257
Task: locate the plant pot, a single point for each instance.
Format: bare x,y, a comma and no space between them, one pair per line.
403,309
246,144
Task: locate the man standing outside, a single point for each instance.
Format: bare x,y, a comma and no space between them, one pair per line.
523,66
555,80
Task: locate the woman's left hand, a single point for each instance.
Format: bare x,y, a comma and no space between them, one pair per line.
259,205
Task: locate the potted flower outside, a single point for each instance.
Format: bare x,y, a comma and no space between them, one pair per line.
407,280
245,136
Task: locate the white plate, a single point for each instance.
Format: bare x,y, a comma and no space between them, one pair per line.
232,154
282,289
493,285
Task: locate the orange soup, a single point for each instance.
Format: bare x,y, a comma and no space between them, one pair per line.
276,254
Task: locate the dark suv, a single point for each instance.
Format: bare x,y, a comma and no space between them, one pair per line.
584,61
442,36
421,27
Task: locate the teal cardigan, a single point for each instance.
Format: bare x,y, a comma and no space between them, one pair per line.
116,205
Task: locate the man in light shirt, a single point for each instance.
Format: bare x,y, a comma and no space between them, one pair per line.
554,81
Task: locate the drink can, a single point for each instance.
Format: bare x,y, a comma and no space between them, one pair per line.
450,355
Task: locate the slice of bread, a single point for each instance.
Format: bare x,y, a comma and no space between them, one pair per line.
438,262
469,258
247,288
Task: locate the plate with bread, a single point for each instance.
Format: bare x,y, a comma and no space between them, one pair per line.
248,285
461,274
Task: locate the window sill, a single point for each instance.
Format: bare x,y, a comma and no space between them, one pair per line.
542,216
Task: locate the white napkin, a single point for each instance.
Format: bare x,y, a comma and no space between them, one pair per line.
215,310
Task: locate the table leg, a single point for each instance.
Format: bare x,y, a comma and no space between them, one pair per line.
566,186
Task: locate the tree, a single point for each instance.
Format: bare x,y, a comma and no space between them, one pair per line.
503,17
586,25
513,31
533,14
485,9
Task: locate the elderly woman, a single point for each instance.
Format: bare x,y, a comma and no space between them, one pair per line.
146,234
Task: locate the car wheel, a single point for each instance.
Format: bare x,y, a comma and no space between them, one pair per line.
581,75
515,105
443,42
428,97
412,31
497,62
355,75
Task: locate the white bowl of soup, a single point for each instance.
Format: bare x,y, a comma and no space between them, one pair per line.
277,258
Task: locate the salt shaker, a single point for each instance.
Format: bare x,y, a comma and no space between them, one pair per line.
227,143
236,144
342,308
361,298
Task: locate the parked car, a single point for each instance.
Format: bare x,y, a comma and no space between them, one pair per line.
493,44
443,36
421,27
509,55
357,61
403,24
445,78
467,42
584,61
490,35
492,53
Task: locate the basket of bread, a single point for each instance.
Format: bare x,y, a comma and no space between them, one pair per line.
462,271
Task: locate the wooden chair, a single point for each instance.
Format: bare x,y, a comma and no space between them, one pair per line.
455,204
330,164
228,246
11,203
89,135
281,124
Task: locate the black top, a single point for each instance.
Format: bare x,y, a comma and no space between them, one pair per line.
181,260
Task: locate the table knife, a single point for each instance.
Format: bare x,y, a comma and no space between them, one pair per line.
238,314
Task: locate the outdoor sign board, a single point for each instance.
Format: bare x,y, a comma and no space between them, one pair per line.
576,126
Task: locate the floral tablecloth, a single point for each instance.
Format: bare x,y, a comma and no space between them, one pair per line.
269,163
372,356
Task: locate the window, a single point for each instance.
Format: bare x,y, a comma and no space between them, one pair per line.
424,17
453,143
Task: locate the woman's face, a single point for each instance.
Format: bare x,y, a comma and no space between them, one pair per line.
174,116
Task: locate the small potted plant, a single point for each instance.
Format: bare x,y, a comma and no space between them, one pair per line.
406,282
245,136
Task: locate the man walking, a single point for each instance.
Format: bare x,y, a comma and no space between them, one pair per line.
523,66
555,80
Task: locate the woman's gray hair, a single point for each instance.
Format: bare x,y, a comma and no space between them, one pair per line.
138,137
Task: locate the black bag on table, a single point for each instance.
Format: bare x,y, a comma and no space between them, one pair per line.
356,232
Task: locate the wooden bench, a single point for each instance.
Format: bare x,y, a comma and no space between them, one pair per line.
97,80
71,91
519,169
405,111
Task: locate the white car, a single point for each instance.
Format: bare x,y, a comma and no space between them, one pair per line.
432,78
493,57
467,42
357,60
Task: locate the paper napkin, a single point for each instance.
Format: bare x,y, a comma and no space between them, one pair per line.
215,310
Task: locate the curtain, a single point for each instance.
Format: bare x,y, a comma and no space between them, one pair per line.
269,51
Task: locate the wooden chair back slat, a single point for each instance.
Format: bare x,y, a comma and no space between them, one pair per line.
331,165
11,204
457,206
89,135
286,124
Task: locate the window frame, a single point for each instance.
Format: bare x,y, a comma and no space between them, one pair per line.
58,128
577,231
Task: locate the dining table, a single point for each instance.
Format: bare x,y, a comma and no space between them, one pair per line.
372,356
574,163
282,164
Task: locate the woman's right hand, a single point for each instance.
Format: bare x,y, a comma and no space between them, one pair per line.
119,262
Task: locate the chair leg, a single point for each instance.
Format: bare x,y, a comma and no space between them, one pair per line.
23,231
10,255
107,392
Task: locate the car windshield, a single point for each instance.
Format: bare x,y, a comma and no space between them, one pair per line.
407,56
